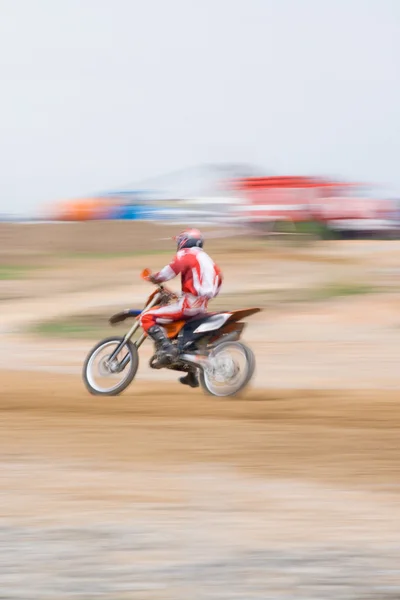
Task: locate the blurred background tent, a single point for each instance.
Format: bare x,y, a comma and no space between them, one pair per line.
158,195
82,209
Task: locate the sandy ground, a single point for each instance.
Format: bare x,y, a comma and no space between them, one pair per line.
290,492
163,494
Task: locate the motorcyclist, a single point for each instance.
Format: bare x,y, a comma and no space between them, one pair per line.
201,280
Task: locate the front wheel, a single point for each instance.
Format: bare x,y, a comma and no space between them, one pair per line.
232,366
103,377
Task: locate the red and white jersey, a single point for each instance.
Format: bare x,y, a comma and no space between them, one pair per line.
200,275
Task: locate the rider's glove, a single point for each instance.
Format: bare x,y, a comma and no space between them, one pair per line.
152,279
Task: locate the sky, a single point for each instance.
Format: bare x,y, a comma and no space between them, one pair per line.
98,94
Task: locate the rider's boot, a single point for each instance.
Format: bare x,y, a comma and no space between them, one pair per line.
165,350
190,379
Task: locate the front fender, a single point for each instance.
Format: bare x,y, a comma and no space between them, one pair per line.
128,313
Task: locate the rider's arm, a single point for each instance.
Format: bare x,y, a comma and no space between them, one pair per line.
171,270
220,279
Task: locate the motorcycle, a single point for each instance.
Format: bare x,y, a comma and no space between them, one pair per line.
207,344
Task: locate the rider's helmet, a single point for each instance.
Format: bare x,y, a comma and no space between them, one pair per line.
190,238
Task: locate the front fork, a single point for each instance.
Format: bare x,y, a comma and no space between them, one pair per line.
128,336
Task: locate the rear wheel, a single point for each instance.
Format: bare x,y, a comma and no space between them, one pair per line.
103,377
232,366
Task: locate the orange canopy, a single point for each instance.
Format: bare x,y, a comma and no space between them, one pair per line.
83,210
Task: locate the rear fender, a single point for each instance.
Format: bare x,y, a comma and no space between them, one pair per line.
238,315
228,328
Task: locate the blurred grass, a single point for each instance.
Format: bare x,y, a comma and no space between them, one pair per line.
12,272
287,248
316,229
300,233
81,326
71,329
277,297
338,290
111,255
95,326
86,326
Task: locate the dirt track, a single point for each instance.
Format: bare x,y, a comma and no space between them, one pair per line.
163,494
333,437
291,492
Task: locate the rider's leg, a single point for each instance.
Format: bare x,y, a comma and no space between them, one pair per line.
152,322
165,349
190,379
194,307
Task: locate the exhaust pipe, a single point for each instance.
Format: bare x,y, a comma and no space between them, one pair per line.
195,360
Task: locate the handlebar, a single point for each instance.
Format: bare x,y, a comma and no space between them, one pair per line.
160,286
